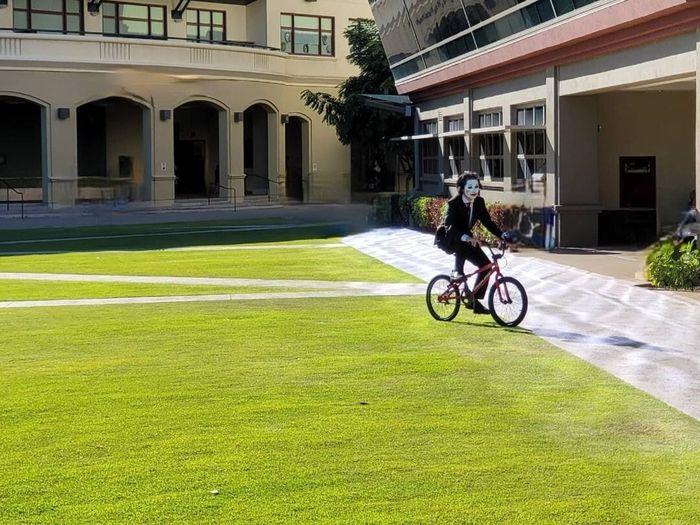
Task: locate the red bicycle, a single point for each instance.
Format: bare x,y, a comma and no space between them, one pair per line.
507,298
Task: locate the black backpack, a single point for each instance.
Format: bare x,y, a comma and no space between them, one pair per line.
441,239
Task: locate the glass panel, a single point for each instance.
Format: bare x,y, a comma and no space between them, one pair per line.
286,40
408,68
327,23
217,18
217,35
73,23
496,119
539,115
133,11
47,5
157,13
47,22
204,33
286,20
563,6
326,45
480,10
306,43
133,27
20,20
109,26
157,29
20,4
392,21
520,139
539,143
306,22
73,6
108,9
529,116
191,16
520,119
436,21
192,32
205,17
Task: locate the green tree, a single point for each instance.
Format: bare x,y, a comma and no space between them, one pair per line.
354,121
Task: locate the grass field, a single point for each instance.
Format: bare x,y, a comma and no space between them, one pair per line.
344,410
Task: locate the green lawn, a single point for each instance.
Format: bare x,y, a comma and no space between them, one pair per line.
345,410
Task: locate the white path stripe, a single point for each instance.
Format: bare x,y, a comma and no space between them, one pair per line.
379,291
201,281
648,338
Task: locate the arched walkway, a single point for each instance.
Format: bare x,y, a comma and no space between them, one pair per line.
260,150
114,150
200,147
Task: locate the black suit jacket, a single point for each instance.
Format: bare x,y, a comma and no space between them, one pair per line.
457,219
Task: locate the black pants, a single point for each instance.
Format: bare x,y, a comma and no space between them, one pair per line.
476,256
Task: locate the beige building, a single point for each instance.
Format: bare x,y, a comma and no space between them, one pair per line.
584,108
171,99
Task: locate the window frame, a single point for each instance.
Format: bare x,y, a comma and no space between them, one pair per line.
488,156
63,13
117,19
320,33
210,26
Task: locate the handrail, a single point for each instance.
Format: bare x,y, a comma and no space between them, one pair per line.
267,180
21,196
219,186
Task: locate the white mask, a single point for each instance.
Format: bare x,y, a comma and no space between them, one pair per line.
471,189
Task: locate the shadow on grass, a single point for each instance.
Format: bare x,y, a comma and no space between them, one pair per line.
167,236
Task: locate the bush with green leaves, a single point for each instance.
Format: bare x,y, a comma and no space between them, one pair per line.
672,265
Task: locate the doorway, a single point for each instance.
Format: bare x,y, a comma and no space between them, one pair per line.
294,161
190,164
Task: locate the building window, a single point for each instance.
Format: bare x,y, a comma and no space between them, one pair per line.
136,20
65,16
430,157
307,35
489,119
455,154
531,153
454,124
530,116
490,149
204,25
429,127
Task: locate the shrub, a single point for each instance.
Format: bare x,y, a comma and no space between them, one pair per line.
674,266
505,217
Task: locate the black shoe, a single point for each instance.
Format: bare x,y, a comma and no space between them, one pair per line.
480,309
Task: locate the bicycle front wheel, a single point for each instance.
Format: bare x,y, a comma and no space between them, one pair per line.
508,302
442,297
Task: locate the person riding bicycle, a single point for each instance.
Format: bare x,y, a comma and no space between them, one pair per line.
463,212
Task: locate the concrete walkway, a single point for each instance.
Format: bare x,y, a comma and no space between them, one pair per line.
648,338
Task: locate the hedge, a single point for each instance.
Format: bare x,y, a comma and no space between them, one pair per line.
673,265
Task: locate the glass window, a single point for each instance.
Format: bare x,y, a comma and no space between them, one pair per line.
133,20
455,155
490,150
393,24
63,16
489,119
436,21
205,25
307,35
531,153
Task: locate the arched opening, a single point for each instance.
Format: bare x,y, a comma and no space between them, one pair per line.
296,161
260,150
23,148
113,150
200,149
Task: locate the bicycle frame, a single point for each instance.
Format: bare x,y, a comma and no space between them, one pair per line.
492,268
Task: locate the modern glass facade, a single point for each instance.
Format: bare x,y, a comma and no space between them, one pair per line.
419,34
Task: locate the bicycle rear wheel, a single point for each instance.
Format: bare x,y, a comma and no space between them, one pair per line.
508,302
442,298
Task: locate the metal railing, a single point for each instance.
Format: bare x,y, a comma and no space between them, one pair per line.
267,182
221,187
9,188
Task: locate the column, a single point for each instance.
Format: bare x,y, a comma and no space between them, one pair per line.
63,178
163,172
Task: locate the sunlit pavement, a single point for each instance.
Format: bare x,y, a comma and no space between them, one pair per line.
648,338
